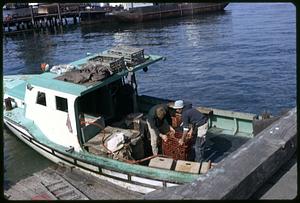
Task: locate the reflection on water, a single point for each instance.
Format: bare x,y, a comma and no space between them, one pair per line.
20,160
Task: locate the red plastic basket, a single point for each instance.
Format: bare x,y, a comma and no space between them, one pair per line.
172,148
176,121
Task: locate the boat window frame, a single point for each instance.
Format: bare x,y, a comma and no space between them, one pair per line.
62,104
41,98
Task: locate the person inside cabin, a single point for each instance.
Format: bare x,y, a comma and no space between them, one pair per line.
158,126
195,126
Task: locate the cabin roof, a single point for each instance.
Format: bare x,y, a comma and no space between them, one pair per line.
47,79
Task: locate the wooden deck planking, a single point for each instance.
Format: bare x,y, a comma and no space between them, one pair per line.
64,183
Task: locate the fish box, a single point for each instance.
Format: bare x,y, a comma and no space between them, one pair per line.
160,162
205,166
187,166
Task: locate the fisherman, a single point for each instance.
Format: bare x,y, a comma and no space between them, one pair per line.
195,126
158,126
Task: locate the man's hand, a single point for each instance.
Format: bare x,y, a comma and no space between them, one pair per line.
164,137
180,141
172,131
189,135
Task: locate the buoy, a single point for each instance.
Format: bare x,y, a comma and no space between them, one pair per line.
45,67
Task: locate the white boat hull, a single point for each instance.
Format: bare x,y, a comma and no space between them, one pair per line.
59,158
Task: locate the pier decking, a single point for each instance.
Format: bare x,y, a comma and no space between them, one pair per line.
64,183
39,21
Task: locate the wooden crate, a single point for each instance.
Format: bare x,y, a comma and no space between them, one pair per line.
160,162
187,166
205,166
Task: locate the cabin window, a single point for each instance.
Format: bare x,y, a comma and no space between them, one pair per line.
41,98
61,104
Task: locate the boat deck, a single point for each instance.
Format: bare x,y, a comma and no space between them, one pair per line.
219,146
220,143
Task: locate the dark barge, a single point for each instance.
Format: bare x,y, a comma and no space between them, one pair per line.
166,10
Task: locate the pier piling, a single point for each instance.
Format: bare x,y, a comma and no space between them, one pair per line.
75,20
59,13
41,20
31,14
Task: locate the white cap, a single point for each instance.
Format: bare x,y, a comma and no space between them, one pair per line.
178,104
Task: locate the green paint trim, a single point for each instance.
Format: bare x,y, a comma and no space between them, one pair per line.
102,162
47,79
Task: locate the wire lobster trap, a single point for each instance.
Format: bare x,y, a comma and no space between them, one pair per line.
114,63
132,55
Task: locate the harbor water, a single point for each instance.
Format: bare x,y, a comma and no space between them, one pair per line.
242,59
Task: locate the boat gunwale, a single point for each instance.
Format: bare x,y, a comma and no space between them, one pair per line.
128,181
188,176
113,168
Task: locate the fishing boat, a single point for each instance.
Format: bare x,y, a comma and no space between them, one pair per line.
88,114
166,10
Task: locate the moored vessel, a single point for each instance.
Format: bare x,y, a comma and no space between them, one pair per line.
74,113
166,10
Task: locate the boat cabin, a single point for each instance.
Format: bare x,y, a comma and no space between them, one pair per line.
64,109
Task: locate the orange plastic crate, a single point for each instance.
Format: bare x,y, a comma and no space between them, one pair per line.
176,121
172,148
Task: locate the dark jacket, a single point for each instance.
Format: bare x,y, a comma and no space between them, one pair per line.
153,119
194,117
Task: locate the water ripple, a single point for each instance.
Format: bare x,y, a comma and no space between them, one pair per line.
240,59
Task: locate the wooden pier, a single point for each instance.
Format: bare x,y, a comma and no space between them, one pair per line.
64,183
48,16
40,21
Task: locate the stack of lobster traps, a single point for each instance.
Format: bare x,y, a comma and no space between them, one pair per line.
114,63
132,55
